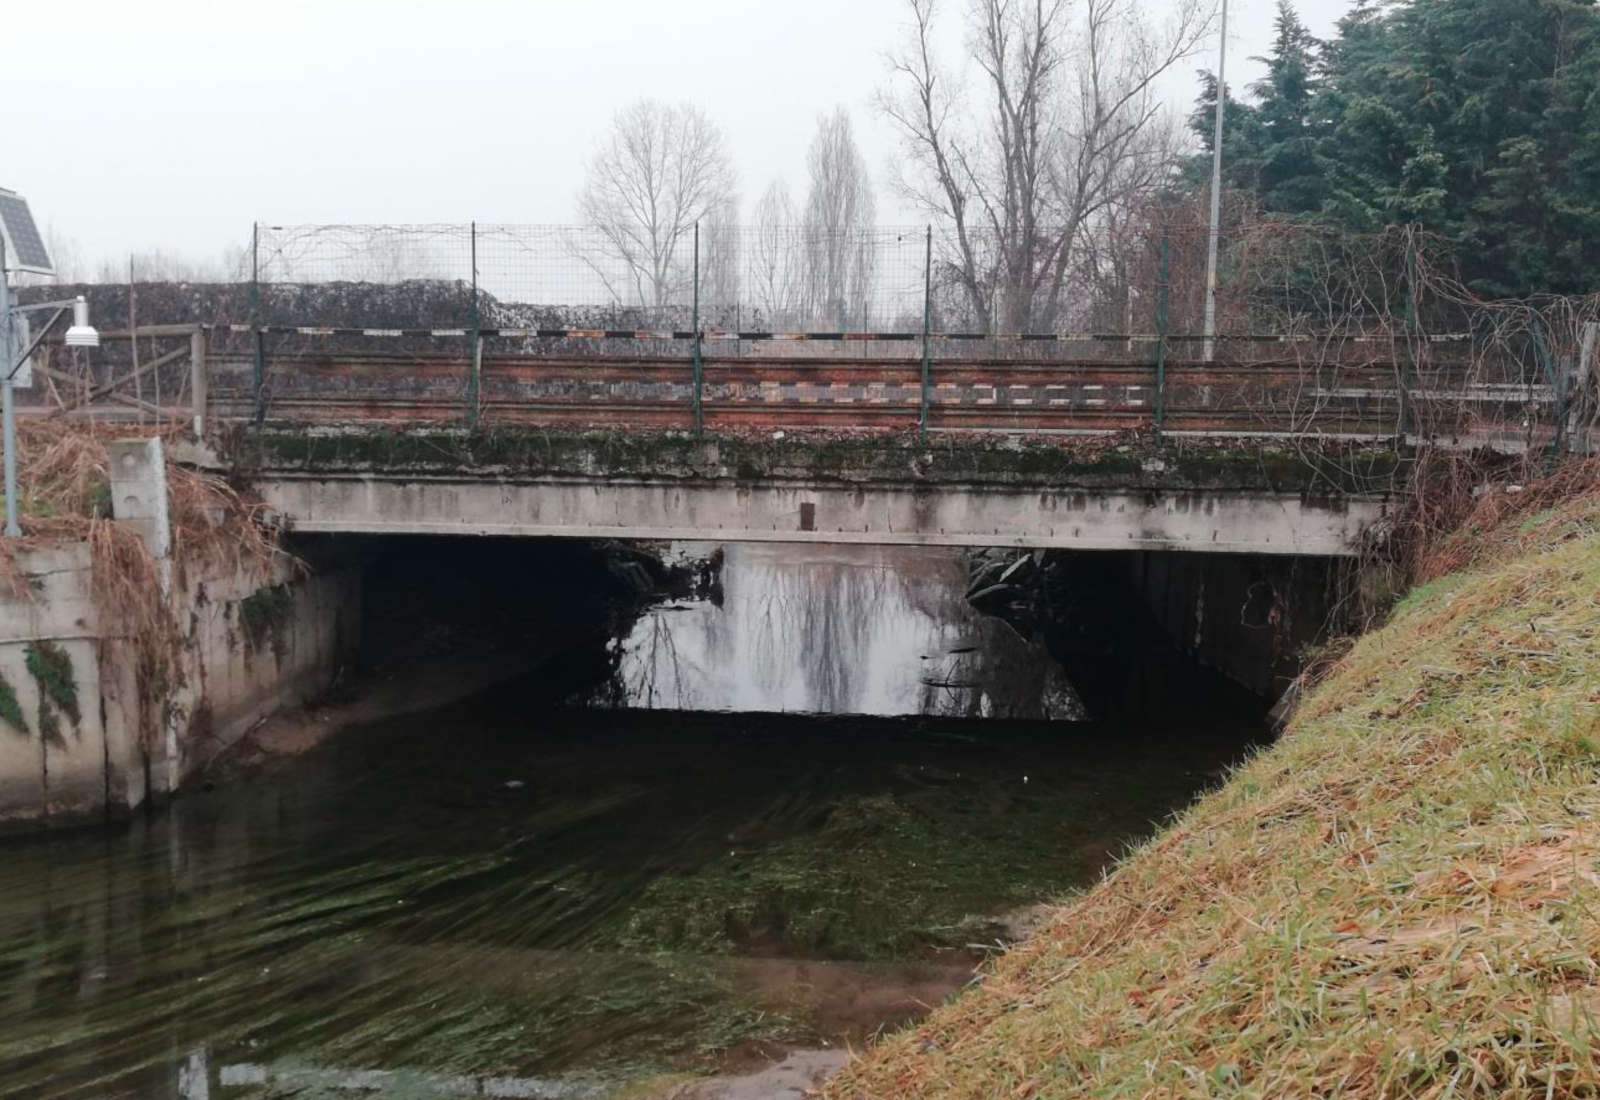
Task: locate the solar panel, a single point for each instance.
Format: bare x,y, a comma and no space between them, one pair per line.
25,249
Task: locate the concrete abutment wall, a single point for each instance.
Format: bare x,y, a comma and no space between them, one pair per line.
1250,617
77,742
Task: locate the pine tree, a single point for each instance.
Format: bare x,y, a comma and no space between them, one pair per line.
1241,142
1466,115
1293,177
1479,119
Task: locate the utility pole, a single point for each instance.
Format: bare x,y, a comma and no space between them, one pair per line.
80,335
1216,193
8,411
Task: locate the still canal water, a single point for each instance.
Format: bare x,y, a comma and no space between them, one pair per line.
510,897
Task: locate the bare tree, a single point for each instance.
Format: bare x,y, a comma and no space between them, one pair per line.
1114,276
1063,130
839,219
774,260
66,254
663,168
157,265
719,261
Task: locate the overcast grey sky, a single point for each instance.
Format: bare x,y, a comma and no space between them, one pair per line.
173,124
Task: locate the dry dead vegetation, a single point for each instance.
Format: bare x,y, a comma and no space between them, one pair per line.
65,496
1399,899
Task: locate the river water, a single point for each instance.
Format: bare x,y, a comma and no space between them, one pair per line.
510,897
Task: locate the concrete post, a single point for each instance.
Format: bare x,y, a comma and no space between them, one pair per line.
198,380
139,499
1579,400
139,492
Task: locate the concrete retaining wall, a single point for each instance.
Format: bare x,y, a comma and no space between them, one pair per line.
1250,617
237,668
54,767
244,667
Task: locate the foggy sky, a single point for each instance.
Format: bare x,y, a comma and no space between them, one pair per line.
173,124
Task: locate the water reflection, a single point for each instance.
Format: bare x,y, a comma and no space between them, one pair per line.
839,630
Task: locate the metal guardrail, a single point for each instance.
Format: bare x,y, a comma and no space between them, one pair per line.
1355,388
1357,399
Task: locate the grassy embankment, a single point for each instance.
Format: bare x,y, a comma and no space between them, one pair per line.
1401,898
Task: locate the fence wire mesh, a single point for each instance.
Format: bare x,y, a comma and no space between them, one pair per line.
767,278
1133,291
1129,281
1318,331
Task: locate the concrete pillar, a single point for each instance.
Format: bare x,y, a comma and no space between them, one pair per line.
139,492
139,499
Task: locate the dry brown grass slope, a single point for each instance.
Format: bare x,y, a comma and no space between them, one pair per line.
1399,899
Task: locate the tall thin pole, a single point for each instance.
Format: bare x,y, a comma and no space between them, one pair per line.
1408,365
927,325
699,419
1216,192
133,342
473,348
8,413
255,322
1163,322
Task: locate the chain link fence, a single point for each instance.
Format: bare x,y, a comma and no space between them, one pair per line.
732,278
1140,280
472,319
1378,311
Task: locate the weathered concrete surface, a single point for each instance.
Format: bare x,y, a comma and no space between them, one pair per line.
57,771
54,767
950,515
236,618
250,644
1250,617
246,666
1234,500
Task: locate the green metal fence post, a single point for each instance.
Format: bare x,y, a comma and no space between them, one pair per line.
699,421
927,326
260,362
1163,322
474,348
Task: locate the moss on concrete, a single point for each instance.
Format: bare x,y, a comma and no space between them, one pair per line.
10,709
1128,462
264,617
51,667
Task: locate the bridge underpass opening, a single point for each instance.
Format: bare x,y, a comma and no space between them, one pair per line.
843,629
529,883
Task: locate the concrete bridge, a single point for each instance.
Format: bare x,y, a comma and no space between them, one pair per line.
1278,447
1263,455
872,490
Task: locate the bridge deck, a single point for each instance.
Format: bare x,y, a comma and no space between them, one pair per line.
883,489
